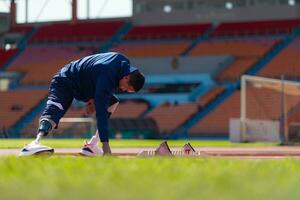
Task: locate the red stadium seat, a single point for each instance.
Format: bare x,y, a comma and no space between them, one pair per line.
5,55
82,31
167,31
256,28
24,29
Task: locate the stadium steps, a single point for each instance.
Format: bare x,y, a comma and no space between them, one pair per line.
21,47
28,118
116,38
182,132
198,40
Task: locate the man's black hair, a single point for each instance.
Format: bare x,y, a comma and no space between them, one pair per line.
136,80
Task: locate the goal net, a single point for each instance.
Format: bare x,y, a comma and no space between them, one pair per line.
269,110
77,127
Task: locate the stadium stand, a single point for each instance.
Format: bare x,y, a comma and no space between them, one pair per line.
23,29
209,96
294,115
128,121
39,64
256,28
169,117
130,109
182,65
238,47
5,55
158,41
82,31
246,51
236,69
216,123
167,31
286,63
152,49
15,104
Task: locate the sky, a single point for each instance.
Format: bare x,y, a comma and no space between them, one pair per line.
55,10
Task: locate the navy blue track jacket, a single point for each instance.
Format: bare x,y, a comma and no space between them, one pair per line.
97,77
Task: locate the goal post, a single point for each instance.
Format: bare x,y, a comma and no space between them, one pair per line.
76,126
267,107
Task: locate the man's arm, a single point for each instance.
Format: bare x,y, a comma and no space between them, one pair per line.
101,103
104,89
90,109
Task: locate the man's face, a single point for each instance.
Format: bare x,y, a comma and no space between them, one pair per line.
124,85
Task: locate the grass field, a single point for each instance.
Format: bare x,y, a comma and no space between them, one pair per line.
76,143
71,177
147,178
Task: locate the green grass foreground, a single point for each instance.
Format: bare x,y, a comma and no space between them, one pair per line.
76,143
147,178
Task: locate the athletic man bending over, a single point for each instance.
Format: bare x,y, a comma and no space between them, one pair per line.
91,79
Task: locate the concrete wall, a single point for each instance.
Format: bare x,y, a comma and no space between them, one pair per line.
183,65
251,13
4,22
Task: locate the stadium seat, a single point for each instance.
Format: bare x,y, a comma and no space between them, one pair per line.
167,31
236,69
5,55
130,109
16,104
160,40
209,96
39,64
169,117
246,51
23,29
153,49
256,28
82,31
285,63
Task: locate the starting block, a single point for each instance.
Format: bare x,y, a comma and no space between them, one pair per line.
164,150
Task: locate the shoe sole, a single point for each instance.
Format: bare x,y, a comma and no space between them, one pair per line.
87,153
47,152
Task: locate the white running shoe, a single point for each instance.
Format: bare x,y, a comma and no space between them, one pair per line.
35,148
91,150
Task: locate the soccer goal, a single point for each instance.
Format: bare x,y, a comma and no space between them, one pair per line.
269,111
76,127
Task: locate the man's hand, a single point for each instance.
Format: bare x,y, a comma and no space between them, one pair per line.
106,148
90,107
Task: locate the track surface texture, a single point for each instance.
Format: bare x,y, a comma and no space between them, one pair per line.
234,152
